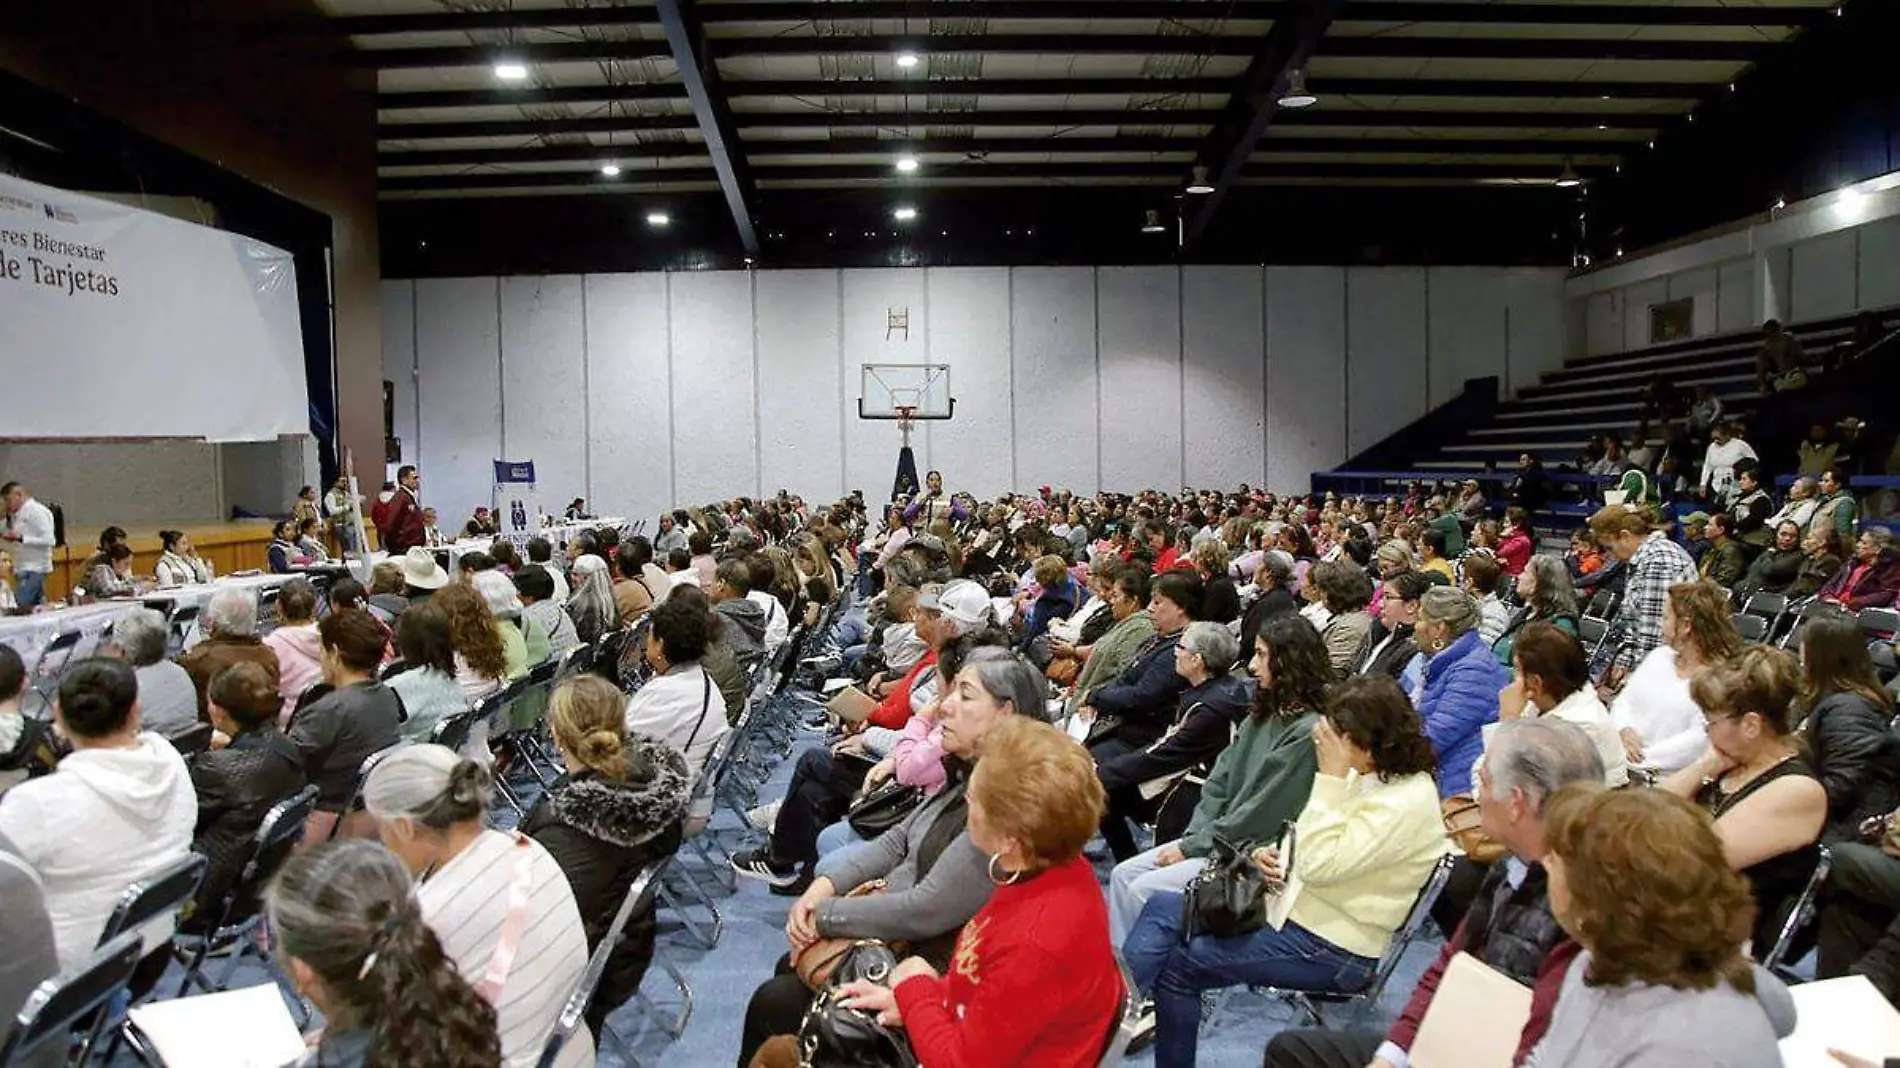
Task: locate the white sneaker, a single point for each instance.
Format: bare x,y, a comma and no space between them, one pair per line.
1141,1034
764,817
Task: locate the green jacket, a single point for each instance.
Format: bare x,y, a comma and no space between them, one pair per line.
1841,508
1725,564
1454,532
1258,783
1111,655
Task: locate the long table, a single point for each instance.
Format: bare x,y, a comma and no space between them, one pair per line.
29,635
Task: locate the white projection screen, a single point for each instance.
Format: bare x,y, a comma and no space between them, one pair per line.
121,323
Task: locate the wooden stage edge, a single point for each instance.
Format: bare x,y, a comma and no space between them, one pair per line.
237,545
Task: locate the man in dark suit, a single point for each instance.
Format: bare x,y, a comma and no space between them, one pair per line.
402,520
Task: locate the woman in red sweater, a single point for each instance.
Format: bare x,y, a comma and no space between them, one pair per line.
1033,980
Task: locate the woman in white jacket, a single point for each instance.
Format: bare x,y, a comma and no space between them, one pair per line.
1658,720
681,704
119,806
179,564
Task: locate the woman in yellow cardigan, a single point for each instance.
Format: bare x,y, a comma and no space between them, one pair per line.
1366,841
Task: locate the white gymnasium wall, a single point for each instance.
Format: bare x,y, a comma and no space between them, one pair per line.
639,391
1825,276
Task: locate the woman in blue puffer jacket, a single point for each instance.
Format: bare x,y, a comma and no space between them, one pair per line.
1458,693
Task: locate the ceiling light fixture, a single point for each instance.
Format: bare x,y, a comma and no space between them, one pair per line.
907,164
1199,186
1296,95
509,70
907,60
1849,204
659,219
1151,222
611,170
904,213
1569,178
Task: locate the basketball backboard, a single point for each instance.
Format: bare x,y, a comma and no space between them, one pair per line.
905,391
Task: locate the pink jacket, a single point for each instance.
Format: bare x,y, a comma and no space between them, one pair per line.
299,661
918,756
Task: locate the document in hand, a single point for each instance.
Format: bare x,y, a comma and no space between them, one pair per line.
1847,1014
248,1028
1475,1019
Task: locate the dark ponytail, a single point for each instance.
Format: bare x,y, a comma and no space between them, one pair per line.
346,909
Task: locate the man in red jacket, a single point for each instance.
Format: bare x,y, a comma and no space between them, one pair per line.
1508,924
401,523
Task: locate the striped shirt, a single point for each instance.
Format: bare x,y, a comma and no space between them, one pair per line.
466,901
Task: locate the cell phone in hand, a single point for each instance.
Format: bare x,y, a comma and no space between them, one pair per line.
1289,838
1873,828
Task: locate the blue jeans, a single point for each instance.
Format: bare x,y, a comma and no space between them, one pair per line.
1174,974
852,629
837,836
32,589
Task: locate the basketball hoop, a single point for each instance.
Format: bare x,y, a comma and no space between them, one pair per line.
906,415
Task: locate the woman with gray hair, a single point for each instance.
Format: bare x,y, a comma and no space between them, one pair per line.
168,702
498,902
1548,595
1457,693
1162,779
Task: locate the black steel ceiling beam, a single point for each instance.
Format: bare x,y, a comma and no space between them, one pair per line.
700,75
1132,44
526,97
1176,45
965,173
1249,111
1147,87
602,124
1422,86
482,55
1636,126
628,181
1056,146
1462,11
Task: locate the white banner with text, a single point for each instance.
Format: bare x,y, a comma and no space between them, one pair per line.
121,323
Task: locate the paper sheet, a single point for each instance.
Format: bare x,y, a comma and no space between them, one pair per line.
247,1028
1847,1014
1475,1020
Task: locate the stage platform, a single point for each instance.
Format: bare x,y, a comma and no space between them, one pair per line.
237,545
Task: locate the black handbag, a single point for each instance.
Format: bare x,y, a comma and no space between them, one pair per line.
1228,897
883,808
832,1036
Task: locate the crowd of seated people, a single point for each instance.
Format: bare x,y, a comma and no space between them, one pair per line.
1199,714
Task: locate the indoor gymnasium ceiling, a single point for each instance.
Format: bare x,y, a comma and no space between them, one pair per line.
748,95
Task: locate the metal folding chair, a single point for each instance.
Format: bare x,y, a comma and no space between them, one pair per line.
63,1004
1363,1001
354,801
1801,914
574,1012
179,626
648,883
280,830
149,910
1882,623
52,663
1752,628
1125,1023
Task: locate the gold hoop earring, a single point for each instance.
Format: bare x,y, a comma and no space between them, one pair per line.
1013,876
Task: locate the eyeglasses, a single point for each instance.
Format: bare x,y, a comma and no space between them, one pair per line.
1709,722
